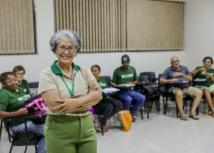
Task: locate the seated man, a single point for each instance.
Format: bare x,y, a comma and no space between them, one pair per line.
178,73
126,74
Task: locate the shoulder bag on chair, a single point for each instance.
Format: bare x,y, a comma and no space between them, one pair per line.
124,116
36,104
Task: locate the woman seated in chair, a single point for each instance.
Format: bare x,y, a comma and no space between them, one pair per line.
206,72
20,72
110,105
12,104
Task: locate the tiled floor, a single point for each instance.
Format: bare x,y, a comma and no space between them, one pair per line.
158,134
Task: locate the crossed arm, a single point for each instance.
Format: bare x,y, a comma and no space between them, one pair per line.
68,105
175,75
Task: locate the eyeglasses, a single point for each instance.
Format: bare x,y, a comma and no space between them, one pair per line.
207,62
10,81
70,50
20,73
175,61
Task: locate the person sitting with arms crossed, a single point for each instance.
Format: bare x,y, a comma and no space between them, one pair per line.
178,73
206,72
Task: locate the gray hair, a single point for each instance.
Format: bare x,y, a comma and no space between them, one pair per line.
54,41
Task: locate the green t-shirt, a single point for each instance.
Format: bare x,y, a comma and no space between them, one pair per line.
122,76
199,75
25,86
103,84
12,101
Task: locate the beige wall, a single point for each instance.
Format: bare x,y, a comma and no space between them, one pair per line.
198,31
34,64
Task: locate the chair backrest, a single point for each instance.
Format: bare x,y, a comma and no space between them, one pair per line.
162,88
33,84
151,76
21,138
108,79
142,79
6,124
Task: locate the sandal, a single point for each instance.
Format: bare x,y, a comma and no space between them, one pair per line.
209,112
194,117
211,115
100,130
205,114
184,118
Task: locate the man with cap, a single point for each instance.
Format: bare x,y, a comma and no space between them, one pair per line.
126,74
178,73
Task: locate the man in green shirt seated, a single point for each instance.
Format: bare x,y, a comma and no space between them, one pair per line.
206,72
126,74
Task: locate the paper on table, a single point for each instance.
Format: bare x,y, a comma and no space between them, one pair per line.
125,85
198,79
109,90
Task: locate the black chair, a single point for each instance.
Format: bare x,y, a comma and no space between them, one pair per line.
153,82
22,138
150,89
1,128
163,89
33,84
99,112
166,94
97,109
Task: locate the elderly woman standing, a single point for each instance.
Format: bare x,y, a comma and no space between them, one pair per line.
206,72
69,91
20,72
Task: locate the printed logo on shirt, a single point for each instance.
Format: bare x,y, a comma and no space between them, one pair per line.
24,97
127,76
102,84
25,90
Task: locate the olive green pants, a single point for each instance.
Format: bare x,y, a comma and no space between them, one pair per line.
70,134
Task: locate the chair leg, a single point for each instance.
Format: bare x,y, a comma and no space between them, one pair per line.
165,107
1,129
176,109
197,110
164,111
26,149
101,124
148,108
141,110
11,148
185,104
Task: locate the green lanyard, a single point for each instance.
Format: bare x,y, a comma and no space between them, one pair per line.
73,80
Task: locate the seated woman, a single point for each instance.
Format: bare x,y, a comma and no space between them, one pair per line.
111,106
206,72
20,72
12,104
